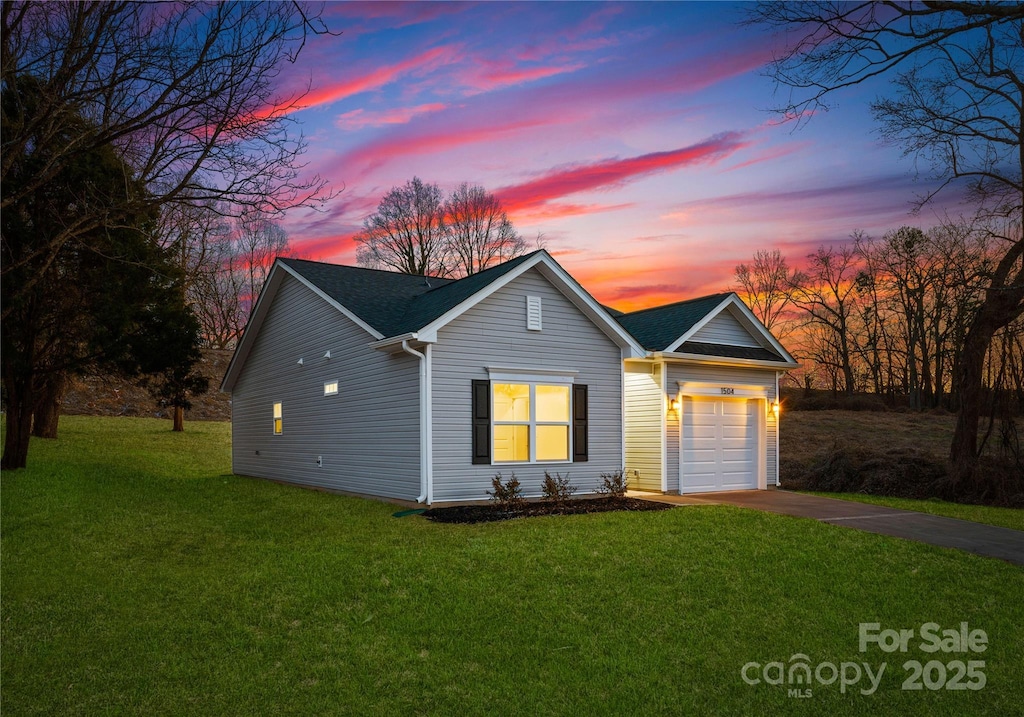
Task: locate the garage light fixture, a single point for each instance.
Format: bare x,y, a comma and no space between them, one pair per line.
776,408
673,404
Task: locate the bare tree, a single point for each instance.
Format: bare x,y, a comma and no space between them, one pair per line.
406,234
257,242
957,104
828,296
768,285
181,94
477,231
184,92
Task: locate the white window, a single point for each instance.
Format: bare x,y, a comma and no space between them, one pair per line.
331,388
533,313
278,420
531,422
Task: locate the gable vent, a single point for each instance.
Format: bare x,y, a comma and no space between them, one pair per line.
533,313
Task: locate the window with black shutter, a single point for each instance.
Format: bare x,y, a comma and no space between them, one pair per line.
481,422
580,427
526,421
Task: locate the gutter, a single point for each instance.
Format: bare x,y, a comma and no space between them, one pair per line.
426,427
402,339
720,360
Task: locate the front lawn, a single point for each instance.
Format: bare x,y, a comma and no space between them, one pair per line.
140,577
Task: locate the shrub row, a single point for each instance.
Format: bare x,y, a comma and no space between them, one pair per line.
557,489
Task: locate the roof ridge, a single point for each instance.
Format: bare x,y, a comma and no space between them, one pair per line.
678,303
367,269
500,265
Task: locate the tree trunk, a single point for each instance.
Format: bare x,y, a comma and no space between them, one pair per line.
1003,304
47,412
179,418
19,423
964,450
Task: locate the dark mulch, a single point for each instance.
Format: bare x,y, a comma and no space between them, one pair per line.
491,512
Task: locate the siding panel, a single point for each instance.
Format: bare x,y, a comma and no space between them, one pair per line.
644,404
725,329
494,333
367,434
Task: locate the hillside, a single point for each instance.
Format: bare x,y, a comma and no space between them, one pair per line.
113,396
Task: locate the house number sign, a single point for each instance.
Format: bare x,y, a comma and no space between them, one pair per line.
726,391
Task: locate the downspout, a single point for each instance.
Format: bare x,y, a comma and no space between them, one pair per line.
426,430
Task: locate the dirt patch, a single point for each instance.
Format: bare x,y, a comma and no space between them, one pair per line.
114,396
492,512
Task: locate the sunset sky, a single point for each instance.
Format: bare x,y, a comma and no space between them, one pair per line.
634,137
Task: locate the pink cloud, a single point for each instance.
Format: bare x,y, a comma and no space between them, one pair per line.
483,75
399,14
357,84
360,118
771,154
616,172
372,155
334,248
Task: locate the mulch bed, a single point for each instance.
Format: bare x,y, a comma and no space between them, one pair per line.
491,512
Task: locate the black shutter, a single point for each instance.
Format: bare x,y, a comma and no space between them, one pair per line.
481,422
580,442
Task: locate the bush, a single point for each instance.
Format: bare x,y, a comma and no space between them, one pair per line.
507,495
558,489
613,485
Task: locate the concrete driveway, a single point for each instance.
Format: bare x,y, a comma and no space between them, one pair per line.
988,540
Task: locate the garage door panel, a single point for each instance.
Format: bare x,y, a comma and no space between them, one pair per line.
737,455
734,408
702,408
719,444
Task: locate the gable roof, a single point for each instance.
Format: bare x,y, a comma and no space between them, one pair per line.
671,329
390,306
656,328
390,302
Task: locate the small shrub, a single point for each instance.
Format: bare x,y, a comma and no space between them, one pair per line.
508,495
614,485
557,489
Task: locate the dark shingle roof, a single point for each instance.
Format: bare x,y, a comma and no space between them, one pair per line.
394,303
741,352
658,327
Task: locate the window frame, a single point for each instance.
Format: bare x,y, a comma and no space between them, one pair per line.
337,387
532,423
277,425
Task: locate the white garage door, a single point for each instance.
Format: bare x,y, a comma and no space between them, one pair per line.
719,444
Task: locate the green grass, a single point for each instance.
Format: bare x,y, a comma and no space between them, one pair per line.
1004,517
139,577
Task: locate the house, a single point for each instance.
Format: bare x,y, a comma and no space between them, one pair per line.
702,407
417,388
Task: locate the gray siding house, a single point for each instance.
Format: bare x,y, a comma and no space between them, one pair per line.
399,386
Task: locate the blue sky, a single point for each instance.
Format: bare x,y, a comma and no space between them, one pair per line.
635,137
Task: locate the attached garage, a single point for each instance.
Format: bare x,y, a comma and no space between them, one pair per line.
720,444
702,411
